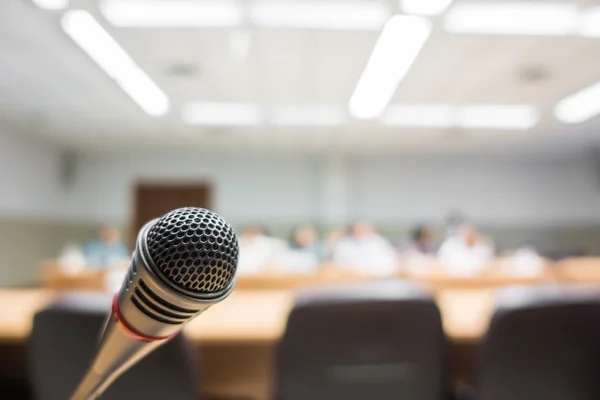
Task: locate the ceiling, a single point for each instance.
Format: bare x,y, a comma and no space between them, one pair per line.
50,88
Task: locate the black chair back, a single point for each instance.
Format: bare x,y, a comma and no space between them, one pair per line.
543,344
373,341
63,341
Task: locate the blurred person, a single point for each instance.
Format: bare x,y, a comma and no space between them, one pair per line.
72,258
365,251
525,261
335,236
258,250
454,221
467,252
422,241
419,256
304,253
107,250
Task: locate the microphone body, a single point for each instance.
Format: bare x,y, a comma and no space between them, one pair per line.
156,301
117,353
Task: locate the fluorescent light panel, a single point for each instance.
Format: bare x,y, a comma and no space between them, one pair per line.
307,14
419,115
88,34
312,14
51,4
222,114
513,18
165,13
396,49
579,106
482,116
323,115
424,7
498,116
590,22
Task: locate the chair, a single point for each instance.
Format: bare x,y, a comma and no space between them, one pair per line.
63,341
375,341
543,344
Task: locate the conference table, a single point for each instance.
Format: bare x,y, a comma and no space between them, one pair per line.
495,275
238,337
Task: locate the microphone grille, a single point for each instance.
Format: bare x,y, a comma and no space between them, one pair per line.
195,249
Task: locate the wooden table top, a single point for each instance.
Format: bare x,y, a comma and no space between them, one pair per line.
255,316
19,307
430,272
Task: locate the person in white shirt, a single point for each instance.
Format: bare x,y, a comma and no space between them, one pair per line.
304,253
258,251
467,252
366,252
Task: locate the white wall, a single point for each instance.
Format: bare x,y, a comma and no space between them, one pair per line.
278,190
246,190
29,176
30,195
490,191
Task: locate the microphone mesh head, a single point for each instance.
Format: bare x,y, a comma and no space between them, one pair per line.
195,249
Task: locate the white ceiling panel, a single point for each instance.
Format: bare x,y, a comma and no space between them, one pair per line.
48,83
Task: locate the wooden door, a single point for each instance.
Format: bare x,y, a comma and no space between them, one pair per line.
153,200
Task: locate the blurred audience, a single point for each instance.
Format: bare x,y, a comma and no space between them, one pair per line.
258,251
305,252
467,252
107,250
366,252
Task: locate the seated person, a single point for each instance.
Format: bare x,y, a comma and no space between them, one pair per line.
525,261
107,250
332,240
467,252
258,251
418,257
72,258
304,253
366,252
422,242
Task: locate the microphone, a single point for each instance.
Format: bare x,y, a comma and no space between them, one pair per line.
183,263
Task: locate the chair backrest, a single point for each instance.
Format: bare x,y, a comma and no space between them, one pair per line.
373,341
63,341
543,344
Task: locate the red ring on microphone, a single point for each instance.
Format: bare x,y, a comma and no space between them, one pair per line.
134,334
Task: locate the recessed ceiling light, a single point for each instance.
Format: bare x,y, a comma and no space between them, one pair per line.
498,116
579,106
319,115
512,18
532,74
91,37
222,114
165,13
311,14
424,7
51,4
398,46
182,69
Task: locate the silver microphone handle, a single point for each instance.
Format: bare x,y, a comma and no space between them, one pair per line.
118,351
